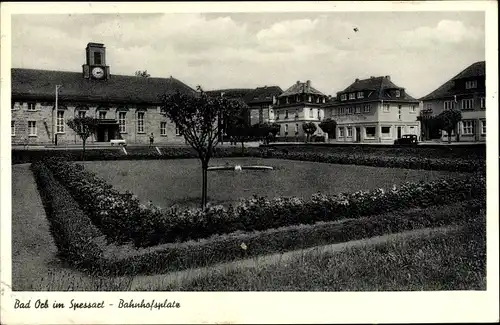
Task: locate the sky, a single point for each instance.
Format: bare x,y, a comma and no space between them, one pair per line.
419,50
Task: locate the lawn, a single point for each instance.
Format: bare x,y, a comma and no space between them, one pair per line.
168,182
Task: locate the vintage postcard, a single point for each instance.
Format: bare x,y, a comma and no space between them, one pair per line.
249,162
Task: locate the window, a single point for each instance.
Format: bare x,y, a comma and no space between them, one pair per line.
468,103
296,128
449,104
16,106
177,130
319,115
483,104
311,113
386,108
97,58
31,106
309,98
358,109
428,107
297,98
349,132
140,122
471,84
343,97
163,128
102,115
468,127
324,100
81,114
413,109
370,131
352,96
122,122
32,128
361,94
386,131
286,128
277,115
483,127
286,114
349,110
367,108
341,132
287,100
12,128
60,122
398,93
399,112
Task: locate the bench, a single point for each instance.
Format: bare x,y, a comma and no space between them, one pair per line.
120,142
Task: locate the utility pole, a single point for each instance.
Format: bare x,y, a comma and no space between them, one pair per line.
55,109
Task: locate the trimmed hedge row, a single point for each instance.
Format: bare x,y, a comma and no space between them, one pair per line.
224,248
122,218
77,239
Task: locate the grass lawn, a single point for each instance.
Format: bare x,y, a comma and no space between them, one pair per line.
448,261
168,182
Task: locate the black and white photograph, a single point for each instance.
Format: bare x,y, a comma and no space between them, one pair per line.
160,152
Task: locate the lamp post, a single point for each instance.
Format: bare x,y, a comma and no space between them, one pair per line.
55,109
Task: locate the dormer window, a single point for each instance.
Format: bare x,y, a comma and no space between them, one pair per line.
343,97
360,94
352,96
324,100
398,93
309,99
470,84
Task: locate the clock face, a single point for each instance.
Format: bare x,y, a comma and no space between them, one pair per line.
98,73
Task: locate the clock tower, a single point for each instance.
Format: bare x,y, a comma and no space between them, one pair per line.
95,66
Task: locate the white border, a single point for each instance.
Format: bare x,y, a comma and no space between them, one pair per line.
261,307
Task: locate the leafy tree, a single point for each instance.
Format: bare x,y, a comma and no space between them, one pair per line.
143,74
309,129
448,120
197,117
329,126
238,126
84,127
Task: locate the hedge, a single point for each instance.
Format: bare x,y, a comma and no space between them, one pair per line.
122,218
77,239
127,260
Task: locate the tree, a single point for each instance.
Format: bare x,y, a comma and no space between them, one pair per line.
143,74
309,128
197,117
329,126
448,120
84,127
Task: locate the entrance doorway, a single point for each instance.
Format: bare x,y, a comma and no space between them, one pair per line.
358,134
107,130
399,132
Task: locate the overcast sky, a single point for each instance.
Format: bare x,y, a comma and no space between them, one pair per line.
419,50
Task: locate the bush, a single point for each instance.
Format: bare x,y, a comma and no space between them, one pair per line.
77,239
122,218
223,248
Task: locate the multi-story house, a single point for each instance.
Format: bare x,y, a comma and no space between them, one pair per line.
373,110
299,104
261,101
127,106
466,91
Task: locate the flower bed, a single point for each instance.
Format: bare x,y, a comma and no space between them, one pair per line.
122,218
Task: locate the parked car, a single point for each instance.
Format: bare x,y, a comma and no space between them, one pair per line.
407,140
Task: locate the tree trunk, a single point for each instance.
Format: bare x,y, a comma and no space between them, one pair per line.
83,152
204,168
242,146
449,135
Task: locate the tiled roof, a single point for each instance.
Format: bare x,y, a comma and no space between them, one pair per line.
301,88
374,88
477,69
232,92
40,85
263,94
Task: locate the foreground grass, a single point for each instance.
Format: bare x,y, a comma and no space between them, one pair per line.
453,261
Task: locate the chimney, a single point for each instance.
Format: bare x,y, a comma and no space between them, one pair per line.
308,85
298,82
372,77
388,78
356,80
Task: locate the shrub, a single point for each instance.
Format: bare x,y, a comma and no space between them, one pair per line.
77,239
122,218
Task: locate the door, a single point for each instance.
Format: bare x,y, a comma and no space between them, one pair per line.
358,134
399,132
100,134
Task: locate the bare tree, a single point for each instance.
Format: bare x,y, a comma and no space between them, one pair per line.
84,127
196,117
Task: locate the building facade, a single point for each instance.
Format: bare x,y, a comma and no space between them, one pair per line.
127,106
261,102
373,110
299,104
467,92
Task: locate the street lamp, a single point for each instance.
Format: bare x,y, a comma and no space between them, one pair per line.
55,109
